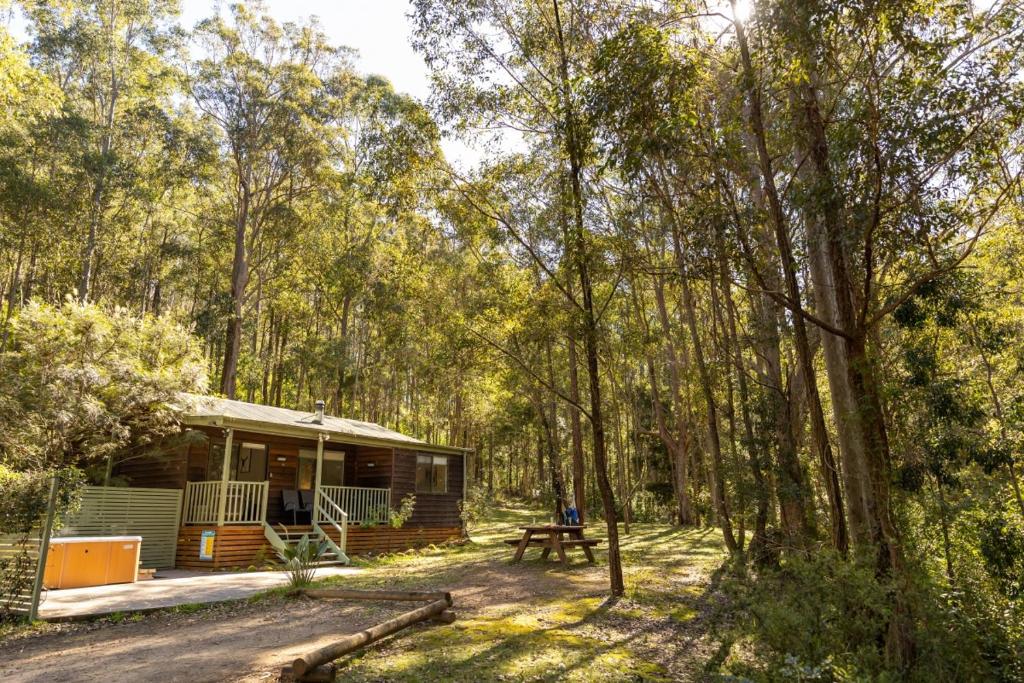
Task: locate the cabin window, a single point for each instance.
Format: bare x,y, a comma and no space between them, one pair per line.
431,474
248,462
334,469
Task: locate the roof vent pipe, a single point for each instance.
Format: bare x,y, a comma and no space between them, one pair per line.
319,419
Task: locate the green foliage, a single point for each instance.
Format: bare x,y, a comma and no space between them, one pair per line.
649,507
474,506
83,384
1002,547
403,513
821,618
26,497
300,560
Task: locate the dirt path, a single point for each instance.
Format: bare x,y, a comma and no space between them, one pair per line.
243,642
535,621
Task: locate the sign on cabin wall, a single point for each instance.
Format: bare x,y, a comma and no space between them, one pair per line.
206,545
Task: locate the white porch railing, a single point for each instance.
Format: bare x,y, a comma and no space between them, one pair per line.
329,513
246,502
361,503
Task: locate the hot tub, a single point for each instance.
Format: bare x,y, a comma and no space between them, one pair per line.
78,561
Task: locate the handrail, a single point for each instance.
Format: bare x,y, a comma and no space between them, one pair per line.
276,542
342,529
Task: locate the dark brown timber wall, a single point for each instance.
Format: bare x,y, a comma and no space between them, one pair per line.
157,472
431,509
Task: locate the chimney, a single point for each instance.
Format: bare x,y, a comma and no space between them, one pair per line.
319,419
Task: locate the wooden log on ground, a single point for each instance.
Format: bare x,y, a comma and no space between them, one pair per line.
329,653
345,594
325,673
445,617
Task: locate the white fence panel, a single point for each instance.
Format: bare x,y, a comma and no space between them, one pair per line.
18,562
119,511
246,502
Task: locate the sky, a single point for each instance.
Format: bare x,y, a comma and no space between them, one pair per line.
378,30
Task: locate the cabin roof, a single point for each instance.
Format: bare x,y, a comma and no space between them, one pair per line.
223,412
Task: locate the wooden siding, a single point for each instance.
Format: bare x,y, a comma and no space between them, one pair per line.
362,541
281,476
168,471
118,511
198,459
370,467
431,509
241,547
233,547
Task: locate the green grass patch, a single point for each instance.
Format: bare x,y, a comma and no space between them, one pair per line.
565,630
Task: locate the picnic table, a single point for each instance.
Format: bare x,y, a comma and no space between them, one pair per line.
553,537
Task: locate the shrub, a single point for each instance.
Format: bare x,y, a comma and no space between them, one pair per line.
26,498
404,512
474,505
83,384
300,561
823,618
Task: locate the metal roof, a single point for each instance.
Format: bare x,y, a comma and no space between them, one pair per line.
210,410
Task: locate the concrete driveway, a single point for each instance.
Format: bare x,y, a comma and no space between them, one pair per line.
170,587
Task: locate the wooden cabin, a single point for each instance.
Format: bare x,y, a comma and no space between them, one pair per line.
348,478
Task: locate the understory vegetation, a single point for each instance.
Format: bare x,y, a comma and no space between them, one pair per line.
750,269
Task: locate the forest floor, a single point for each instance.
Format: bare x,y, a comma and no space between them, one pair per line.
533,621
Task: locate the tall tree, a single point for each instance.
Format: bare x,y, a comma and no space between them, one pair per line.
265,86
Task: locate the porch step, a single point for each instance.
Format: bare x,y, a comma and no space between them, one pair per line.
328,559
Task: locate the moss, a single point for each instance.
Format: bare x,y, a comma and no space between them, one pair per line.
683,614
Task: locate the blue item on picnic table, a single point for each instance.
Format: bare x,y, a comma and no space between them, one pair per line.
572,517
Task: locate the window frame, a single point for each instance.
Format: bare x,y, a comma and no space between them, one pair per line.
432,462
309,454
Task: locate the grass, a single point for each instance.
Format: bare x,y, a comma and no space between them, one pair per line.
537,621
531,621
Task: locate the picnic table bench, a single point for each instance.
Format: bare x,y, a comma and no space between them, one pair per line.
553,537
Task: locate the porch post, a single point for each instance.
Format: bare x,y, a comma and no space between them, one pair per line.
222,502
319,472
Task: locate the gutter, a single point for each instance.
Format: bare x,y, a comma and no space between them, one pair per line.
312,433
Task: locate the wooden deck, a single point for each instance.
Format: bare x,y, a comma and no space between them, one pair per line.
244,546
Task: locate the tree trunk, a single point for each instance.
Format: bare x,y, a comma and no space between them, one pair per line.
239,279
580,257
757,543
818,430
677,443
714,445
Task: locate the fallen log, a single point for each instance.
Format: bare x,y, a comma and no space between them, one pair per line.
345,594
325,673
445,617
328,653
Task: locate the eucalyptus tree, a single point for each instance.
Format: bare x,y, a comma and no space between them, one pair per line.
520,67
266,87
891,200
27,97
111,60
